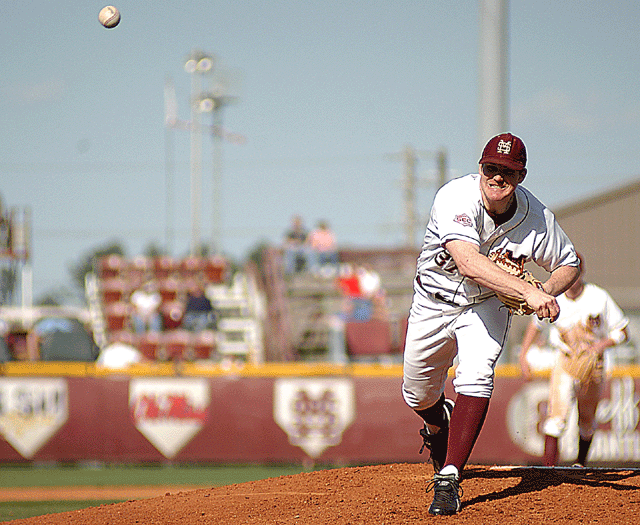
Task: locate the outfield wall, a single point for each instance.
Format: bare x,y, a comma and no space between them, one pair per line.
278,413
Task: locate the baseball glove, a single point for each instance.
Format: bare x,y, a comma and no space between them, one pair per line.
516,305
581,361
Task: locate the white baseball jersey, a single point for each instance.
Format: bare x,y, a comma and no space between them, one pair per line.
594,309
458,214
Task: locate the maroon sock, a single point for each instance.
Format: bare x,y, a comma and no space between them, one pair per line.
466,422
550,451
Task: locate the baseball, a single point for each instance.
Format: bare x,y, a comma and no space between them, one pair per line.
109,16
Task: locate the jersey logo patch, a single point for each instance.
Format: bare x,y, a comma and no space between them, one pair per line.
594,322
463,219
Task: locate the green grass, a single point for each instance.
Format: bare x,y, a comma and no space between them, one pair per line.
29,509
120,475
55,475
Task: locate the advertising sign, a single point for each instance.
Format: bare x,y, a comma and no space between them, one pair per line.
314,412
169,411
32,410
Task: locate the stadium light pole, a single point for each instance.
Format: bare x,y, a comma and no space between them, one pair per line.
197,65
214,102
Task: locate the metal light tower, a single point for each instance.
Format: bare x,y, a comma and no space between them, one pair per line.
197,65
214,102
170,121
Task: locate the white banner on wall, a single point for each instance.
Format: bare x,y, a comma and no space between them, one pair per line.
32,410
314,412
169,412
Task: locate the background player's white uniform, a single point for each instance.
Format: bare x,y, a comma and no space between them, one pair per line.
452,315
600,315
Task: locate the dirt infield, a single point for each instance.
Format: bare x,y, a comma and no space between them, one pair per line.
385,494
88,492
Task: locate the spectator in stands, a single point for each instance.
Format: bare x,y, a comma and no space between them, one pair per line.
352,284
360,288
120,352
5,230
5,235
60,339
364,297
323,248
17,342
146,302
5,352
373,292
295,248
198,311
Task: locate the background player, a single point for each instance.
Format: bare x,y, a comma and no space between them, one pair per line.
455,310
590,311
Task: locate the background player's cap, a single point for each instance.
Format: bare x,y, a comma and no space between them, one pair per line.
507,150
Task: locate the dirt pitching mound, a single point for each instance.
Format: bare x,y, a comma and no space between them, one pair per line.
386,494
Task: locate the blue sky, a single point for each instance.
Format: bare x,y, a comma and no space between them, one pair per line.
327,92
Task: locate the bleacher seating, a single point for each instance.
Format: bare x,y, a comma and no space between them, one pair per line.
111,266
170,288
165,266
114,289
172,312
117,315
203,344
214,268
174,344
140,267
149,344
239,335
302,306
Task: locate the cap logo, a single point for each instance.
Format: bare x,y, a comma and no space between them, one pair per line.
504,147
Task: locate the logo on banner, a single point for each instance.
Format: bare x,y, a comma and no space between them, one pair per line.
314,412
32,411
169,412
616,439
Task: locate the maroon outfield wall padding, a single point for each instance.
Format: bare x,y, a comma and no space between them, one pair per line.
239,419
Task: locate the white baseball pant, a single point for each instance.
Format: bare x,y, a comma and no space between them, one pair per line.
438,332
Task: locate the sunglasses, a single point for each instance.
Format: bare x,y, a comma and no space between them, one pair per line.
493,169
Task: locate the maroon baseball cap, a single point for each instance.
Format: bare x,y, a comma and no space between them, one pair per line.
507,150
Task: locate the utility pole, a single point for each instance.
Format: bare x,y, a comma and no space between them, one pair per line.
409,183
409,157
493,70
441,159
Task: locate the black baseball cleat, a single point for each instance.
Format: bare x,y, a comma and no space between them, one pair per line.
437,443
446,495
